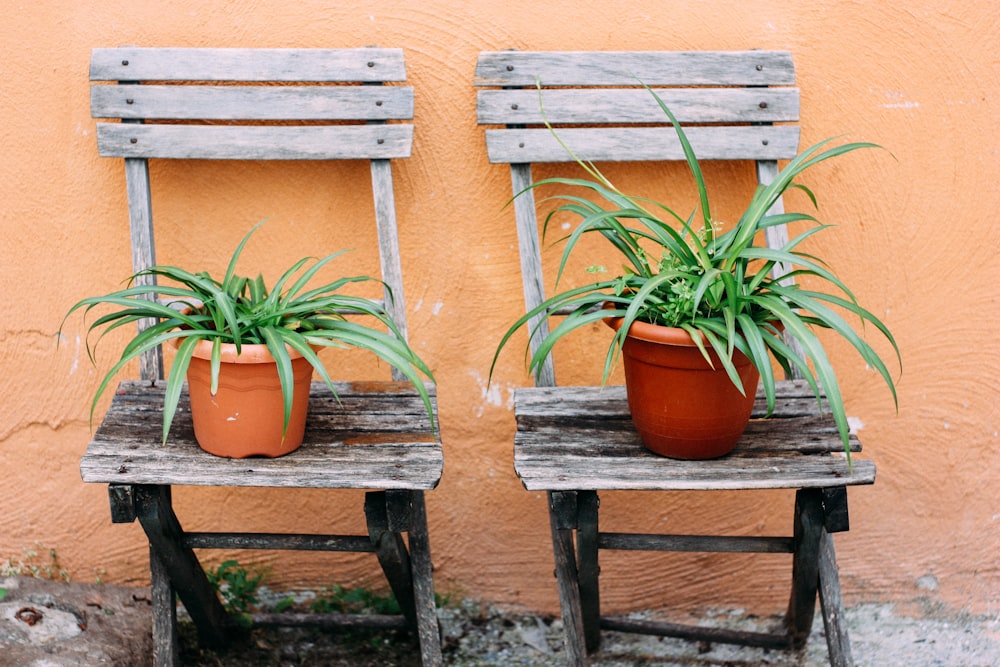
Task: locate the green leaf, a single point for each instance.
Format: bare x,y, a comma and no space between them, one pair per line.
178,371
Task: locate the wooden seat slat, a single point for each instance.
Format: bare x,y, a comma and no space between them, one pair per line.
371,436
567,472
582,437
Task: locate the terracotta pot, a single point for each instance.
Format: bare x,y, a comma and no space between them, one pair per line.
246,415
681,406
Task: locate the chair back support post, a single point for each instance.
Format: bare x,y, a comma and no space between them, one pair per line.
530,253
388,241
140,207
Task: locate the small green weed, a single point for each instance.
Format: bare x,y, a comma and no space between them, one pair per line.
358,600
32,564
236,585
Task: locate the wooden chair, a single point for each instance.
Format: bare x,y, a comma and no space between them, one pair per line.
574,442
378,436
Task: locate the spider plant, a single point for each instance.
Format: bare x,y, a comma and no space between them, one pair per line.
244,311
720,286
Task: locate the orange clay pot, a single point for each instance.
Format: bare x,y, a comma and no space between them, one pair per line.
246,415
681,406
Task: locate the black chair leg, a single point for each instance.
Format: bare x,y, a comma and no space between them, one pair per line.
166,644
808,529
832,605
588,567
428,629
563,520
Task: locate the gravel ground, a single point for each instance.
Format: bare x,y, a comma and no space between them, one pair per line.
480,636
54,624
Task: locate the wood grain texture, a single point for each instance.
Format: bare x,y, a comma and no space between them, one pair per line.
636,105
654,68
627,144
583,438
210,64
377,436
530,254
140,211
241,142
252,102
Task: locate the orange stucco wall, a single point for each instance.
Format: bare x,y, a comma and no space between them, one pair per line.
917,239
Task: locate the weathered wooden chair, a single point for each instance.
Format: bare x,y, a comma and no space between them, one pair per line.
400,455
574,442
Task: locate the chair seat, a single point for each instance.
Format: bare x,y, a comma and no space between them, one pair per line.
582,438
371,435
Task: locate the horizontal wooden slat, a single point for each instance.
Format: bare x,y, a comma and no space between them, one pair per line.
572,438
793,398
193,64
695,543
617,144
696,632
330,620
630,105
242,142
654,68
252,102
282,541
377,436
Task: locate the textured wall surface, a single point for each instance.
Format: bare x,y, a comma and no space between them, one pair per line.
917,238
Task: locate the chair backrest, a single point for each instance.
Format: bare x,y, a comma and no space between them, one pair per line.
261,104
597,103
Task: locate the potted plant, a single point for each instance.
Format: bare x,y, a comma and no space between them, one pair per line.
248,351
697,312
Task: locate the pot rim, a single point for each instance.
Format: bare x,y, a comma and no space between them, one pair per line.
250,353
653,333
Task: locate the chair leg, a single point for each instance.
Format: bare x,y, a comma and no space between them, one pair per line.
832,605
166,645
428,629
808,530
563,518
178,569
391,552
588,567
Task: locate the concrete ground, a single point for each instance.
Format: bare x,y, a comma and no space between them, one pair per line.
50,624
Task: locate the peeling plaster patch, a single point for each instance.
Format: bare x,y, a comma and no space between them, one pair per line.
437,307
491,395
565,225
856,424
898,101
928,582
416,308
